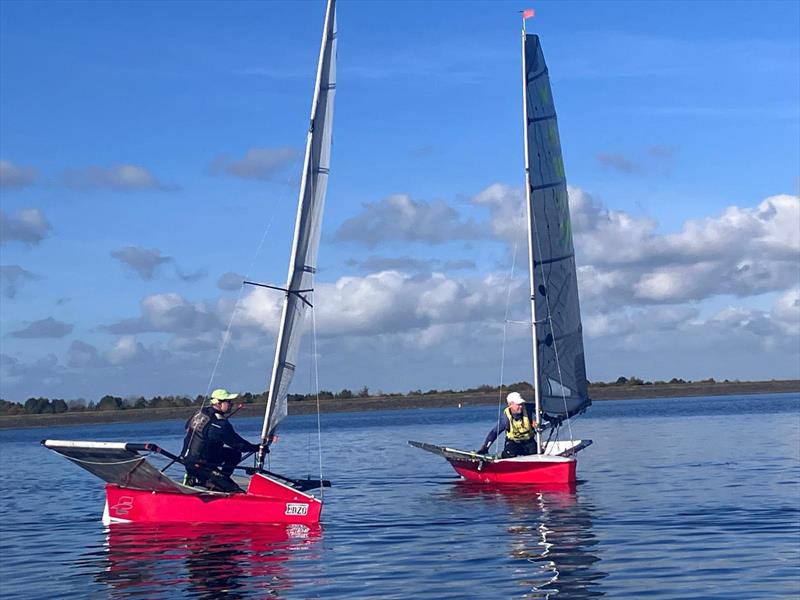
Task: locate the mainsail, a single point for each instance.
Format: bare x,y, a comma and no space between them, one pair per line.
302,263
558,339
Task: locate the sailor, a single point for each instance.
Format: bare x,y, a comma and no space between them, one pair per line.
211,448
520,425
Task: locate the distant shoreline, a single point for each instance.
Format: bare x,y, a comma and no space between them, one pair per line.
301,407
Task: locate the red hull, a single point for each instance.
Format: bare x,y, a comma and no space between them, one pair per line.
266,501
546,470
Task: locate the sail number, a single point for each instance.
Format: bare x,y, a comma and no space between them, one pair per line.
297,509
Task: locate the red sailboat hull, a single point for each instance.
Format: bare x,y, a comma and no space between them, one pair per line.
266,501
524,469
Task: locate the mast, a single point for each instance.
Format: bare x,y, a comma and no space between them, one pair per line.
306,232
531,264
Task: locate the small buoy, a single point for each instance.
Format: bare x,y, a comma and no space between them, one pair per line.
459,405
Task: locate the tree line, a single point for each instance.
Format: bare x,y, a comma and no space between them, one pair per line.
37,406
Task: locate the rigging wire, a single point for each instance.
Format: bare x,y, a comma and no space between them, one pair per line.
506,321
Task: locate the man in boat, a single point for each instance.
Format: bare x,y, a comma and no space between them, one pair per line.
520,425
211,448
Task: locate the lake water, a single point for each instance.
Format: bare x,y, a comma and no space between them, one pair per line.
677,498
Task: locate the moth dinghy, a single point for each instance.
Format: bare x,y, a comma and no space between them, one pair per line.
137,490
559,370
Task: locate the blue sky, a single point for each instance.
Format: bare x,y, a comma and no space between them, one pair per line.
679,122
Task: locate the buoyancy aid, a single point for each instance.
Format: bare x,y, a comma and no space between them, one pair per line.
519,430
196,436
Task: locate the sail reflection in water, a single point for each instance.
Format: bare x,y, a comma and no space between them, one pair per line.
204,562
548,537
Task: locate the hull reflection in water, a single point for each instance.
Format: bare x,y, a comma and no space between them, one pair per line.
207,561
548,537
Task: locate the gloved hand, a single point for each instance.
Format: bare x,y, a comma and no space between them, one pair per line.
482,450
255,447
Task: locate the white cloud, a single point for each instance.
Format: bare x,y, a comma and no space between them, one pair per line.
28,226
121,178
169,313
15,176
126,349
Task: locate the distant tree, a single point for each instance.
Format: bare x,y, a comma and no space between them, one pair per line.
77,404
109,403
59,406
363,392
38,406
520,386
621,381
345,394
11,408
675,380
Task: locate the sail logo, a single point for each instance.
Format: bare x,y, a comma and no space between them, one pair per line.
297,509
123,506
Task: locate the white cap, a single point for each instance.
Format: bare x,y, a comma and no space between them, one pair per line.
515,398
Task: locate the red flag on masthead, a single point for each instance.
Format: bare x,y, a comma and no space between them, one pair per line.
528,13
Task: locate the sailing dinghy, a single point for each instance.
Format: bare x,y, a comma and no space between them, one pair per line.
136,490
559,370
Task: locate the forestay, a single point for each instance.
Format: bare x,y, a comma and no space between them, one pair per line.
558,331
302,263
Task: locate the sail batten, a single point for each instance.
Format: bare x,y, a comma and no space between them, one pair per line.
305,245
562,388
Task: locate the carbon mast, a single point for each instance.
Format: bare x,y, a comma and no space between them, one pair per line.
310,205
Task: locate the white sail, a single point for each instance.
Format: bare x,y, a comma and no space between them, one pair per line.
558,333
302,263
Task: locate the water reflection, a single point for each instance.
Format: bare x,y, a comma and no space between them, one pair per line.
203,561
550,529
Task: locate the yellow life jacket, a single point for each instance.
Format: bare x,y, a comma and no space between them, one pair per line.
519,430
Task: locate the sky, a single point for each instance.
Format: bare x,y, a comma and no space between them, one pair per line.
150,157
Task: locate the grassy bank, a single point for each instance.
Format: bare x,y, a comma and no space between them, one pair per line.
597,392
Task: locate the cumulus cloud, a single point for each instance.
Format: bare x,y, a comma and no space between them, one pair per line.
12,277
400,218
126,349
81,355
143,261
44,328
169,313
257,163
387,302
118,178
623,259
15,176
28,226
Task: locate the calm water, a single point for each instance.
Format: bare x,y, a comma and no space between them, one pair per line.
681,498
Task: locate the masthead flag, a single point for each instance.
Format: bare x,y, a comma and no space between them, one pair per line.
528,13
